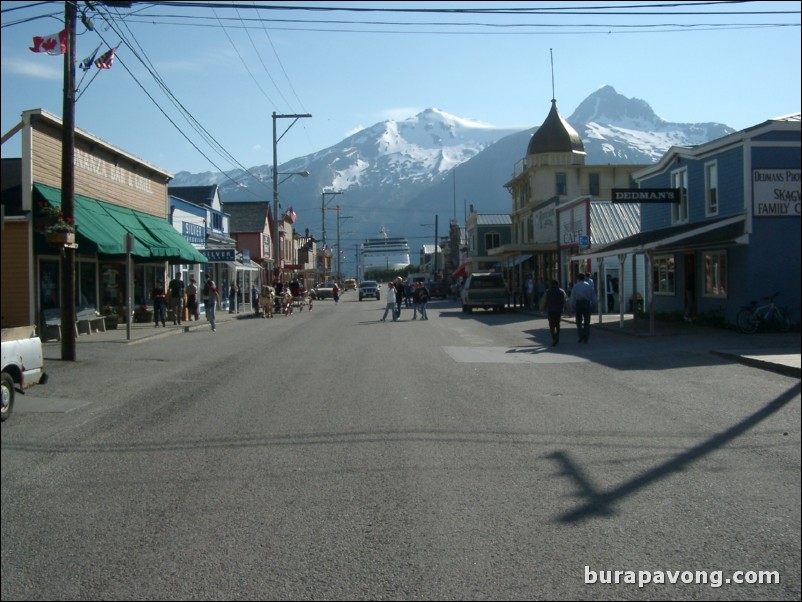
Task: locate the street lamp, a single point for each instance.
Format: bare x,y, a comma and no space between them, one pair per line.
277,266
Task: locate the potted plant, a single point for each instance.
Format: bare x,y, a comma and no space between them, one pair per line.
58,230
110,317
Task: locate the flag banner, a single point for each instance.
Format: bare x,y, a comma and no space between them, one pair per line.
87,63
53,44
105,61
291,215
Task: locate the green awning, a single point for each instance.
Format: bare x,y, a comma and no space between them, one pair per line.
102,227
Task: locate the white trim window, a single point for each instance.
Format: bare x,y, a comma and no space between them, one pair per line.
711,189
679,211
715,266
492,240
663,275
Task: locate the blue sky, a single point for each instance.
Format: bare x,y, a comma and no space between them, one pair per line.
230,71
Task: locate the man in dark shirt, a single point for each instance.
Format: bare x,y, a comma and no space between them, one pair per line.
399,296
554,304
176,287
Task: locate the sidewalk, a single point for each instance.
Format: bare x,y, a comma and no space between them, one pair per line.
143,331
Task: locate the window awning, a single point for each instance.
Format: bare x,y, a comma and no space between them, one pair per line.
101,227
727,230
251,266
511,262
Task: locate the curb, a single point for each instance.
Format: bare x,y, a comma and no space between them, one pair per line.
791,371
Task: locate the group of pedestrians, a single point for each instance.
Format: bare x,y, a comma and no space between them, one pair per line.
396,296
583,301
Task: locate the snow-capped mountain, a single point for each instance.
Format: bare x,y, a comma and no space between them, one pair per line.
399,174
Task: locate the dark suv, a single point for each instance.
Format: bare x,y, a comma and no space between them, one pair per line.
484,289
369,288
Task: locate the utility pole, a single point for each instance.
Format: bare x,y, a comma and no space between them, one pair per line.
68,336
323,211
339,252
276,217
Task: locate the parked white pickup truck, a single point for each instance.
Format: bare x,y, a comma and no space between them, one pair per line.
23,364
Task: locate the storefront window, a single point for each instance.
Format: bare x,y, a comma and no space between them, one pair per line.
86,292
663,275
715,274
112,284
49,290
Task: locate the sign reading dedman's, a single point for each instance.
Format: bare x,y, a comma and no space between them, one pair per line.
776,192
646,195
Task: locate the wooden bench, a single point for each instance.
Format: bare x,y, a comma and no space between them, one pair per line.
86,322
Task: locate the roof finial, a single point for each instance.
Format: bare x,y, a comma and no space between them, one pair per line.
551,53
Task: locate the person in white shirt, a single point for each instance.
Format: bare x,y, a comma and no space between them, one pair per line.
390,307
583,297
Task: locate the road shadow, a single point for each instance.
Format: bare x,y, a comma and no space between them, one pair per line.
601,503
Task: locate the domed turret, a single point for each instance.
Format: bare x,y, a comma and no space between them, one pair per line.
555,136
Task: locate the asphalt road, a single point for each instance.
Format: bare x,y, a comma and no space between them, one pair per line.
328,456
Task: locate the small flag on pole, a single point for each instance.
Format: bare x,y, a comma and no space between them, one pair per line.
54,44
105,61
87,63
290,215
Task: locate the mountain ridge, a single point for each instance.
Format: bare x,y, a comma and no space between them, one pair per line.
401,173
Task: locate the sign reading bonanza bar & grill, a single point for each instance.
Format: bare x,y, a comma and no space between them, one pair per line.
646,195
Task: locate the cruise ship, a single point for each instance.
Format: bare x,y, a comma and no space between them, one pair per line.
385,252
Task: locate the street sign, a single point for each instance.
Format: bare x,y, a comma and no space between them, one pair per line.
584,240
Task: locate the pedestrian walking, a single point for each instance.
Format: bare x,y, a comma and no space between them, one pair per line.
193,303
159,297
211,298
390,307
554,303
399,296
176,288
232,297
421,299
583,297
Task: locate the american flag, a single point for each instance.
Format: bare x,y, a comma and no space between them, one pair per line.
105,61
290,215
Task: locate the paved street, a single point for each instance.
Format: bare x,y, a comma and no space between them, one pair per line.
331,456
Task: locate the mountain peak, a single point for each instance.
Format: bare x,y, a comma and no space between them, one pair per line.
609,107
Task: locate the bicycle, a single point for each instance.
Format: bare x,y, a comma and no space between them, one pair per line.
751,316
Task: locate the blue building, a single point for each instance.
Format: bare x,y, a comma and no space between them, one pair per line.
734,234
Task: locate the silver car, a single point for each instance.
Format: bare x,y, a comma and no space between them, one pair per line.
487,290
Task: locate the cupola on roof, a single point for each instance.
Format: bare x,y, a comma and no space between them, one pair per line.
555,136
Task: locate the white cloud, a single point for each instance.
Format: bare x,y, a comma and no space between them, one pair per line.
47,68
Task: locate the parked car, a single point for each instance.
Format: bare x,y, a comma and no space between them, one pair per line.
437,289
369,288
23,364
487,290
325,290
349,284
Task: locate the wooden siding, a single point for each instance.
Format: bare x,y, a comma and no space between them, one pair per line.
126,184
15,296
